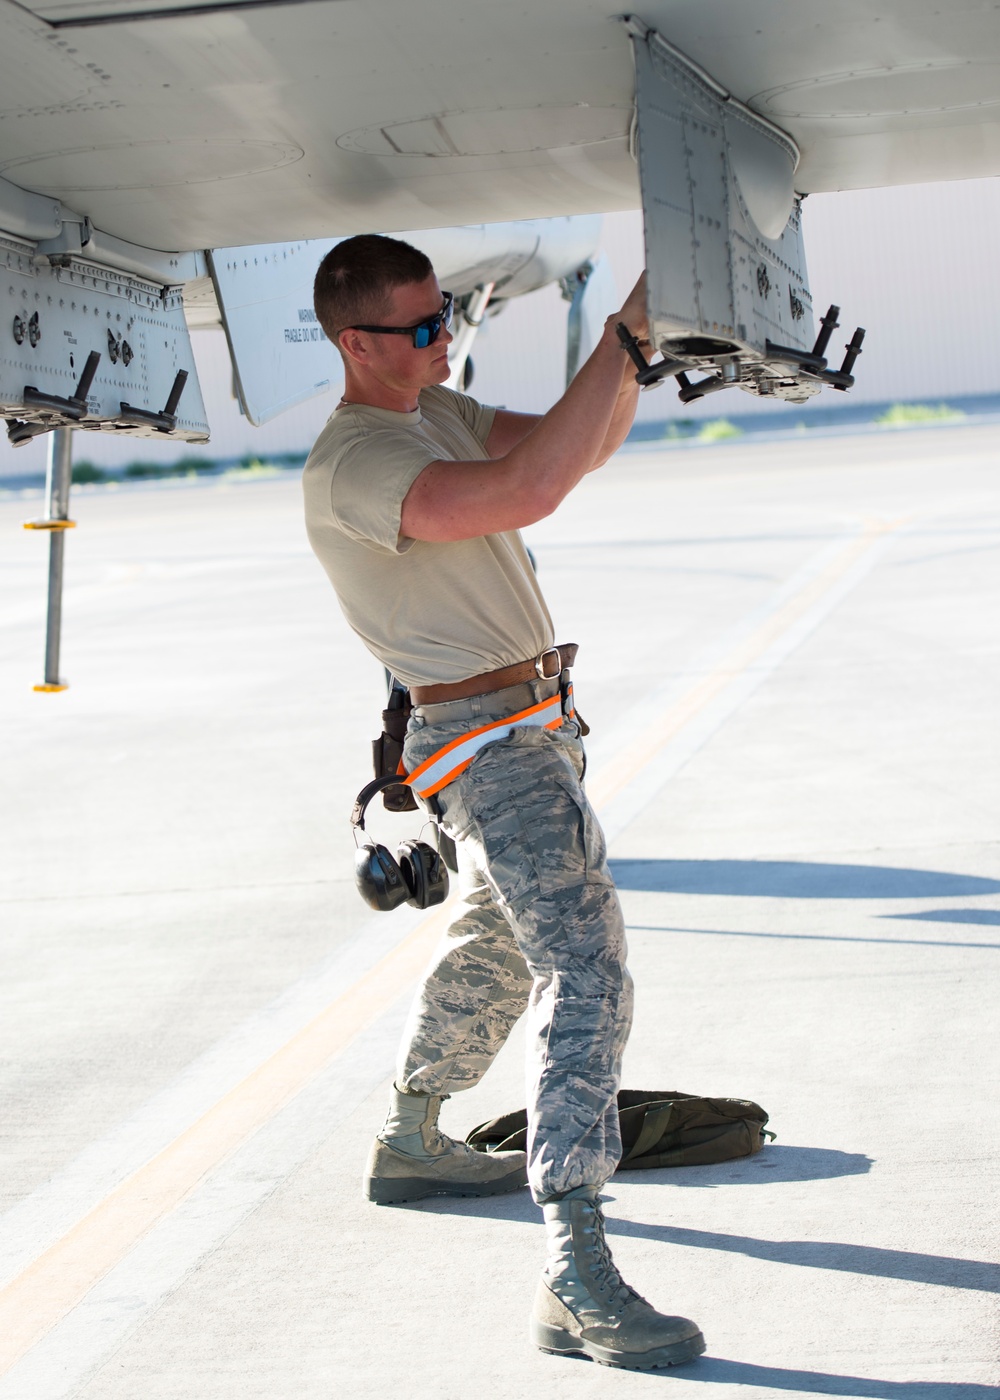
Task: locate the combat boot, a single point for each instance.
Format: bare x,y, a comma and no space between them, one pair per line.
411,1158
582,1306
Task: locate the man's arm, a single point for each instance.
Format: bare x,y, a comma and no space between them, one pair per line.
623,415
508,430
511,428
461,500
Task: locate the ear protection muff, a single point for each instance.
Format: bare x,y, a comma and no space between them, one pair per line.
425,873
378,877
417,876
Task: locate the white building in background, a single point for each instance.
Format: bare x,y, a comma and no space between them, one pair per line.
916,266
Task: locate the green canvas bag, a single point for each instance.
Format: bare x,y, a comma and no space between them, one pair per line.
659,1129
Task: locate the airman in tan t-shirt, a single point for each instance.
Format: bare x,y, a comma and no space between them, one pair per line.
429,611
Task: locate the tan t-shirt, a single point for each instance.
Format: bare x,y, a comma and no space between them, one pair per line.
429,612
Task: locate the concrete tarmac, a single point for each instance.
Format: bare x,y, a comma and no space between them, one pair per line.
790,661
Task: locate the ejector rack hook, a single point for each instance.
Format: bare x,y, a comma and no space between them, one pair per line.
648,375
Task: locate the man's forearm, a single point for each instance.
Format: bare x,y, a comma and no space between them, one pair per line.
457,500
623,416
595,411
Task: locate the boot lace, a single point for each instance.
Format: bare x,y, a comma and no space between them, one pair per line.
605,1271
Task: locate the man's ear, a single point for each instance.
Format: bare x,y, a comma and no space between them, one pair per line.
353,347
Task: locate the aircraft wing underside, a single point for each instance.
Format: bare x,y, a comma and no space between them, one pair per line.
179,124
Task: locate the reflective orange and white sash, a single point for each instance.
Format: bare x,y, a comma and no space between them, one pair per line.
445,766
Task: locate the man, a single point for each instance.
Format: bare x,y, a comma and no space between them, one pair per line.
414,499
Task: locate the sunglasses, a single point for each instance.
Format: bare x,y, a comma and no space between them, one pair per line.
424,333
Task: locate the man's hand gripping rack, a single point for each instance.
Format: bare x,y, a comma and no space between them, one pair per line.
809,364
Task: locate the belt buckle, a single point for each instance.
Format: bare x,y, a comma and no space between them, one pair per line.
540,664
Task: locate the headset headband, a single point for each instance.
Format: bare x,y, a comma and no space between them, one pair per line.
365,796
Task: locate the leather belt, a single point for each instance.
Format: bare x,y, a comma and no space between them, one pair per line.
547,665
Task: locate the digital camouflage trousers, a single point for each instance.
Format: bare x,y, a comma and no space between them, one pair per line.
538,927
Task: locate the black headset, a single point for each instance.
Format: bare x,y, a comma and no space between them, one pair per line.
417,875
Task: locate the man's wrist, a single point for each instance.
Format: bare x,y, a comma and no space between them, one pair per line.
614,321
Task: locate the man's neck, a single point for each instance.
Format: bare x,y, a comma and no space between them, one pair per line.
372,393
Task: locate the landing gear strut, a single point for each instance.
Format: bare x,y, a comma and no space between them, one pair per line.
56,522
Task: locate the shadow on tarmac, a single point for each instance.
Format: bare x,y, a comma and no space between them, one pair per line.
823,937
717,1371
972,1274
793,879
955,916
778,1162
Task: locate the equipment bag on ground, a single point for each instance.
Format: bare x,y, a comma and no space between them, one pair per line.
659,1129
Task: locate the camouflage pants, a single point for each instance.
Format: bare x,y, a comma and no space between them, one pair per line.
538,927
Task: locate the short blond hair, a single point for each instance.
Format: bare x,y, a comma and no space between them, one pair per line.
357,277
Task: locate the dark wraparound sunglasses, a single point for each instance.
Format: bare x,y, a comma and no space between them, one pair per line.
424,333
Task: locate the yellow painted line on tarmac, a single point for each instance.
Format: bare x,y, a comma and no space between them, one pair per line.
54,1283
630,761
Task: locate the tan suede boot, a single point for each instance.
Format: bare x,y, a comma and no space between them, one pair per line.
411,1158
582,1306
